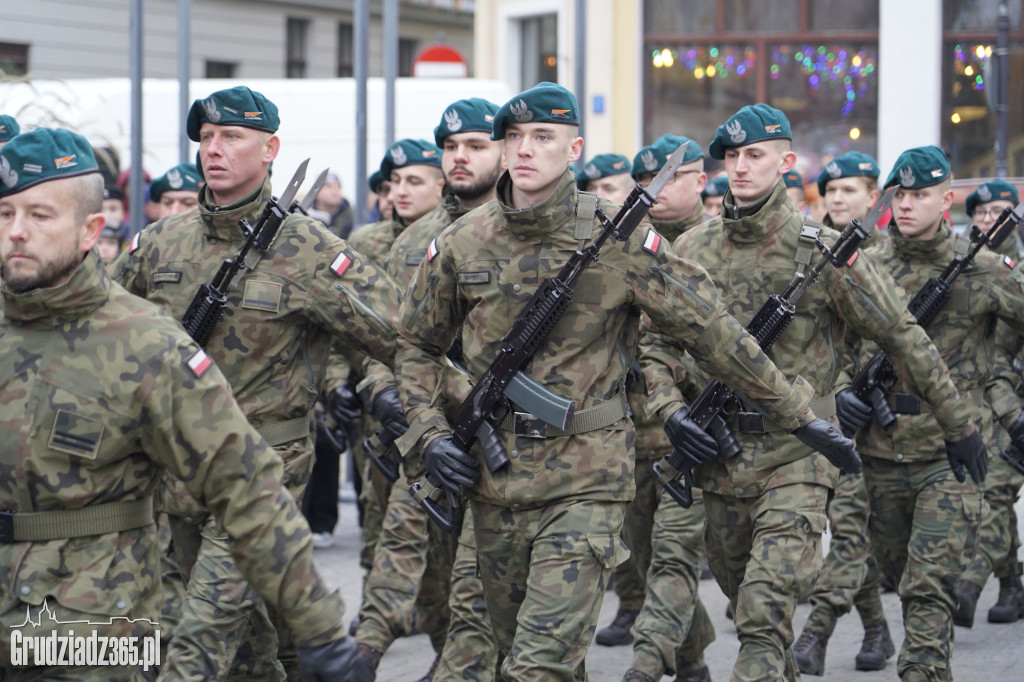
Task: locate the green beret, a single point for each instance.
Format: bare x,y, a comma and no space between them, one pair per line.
716,187
238,106
651,158
849,165
993,190
752,123
8,127
41,155
410,152
919,167
183,177
466,116
543,103
602,166
375,181
792,179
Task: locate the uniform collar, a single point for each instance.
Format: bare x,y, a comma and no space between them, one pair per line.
940,244
759,220
546,217
222,221
86,290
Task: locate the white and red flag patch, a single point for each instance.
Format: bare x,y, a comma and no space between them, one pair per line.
1008,262
135,242
432,250
652,241
199,363
340,264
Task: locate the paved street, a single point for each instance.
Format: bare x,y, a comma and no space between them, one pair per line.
985,652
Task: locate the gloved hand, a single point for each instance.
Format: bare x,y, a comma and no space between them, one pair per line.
968,452
337,661
830,441
388,409
853,412
1016,432
451,466
344,405
689,438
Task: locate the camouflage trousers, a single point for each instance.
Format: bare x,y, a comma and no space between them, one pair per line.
373,496
172,582
411,576
673,629
545,571
630,577
924,526
850,575
470,652
765,553
998,538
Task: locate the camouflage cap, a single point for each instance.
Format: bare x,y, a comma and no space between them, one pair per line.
375,181
8,127
849,165
919,167
182,178
41,155
543,103
410,152
716,187
792,179
238,106
752,123
466,116
993,190
651,158
602,166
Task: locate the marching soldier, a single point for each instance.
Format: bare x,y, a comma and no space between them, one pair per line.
608,176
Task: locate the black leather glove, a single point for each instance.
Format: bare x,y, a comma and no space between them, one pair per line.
830,441
388,409
337,661
689,438
853,412
1016,432
344,405
968,452
451,466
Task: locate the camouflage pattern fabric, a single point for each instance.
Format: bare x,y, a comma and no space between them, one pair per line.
480,272
87,430
673,628
749,256
375,239
850,574
273,343
924,522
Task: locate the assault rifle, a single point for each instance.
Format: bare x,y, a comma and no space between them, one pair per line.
878,376
534,323
717,401
207,307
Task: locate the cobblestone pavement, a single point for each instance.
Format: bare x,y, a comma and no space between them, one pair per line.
985,652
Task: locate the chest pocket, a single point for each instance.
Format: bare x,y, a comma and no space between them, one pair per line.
589,288
261,295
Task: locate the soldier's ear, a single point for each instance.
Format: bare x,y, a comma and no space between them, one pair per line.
91,229
271,148
576,149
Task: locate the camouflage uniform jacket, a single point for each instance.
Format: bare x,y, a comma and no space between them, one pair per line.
482,270
651,440
274,340
374,240
103,392
986,292
750,258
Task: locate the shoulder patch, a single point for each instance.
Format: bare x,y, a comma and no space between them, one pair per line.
1008,262
134,244
432,250
652,241
199,363
340,264
853,259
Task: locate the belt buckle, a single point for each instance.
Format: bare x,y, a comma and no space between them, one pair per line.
750,422
6,525
529,426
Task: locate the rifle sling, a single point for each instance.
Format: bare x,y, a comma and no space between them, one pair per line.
59,524
755,422
591,419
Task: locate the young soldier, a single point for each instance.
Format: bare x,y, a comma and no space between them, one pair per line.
272,345
795,191
608,176
924,511
177,190
850,577
712,195
104,392
765,507
548,523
